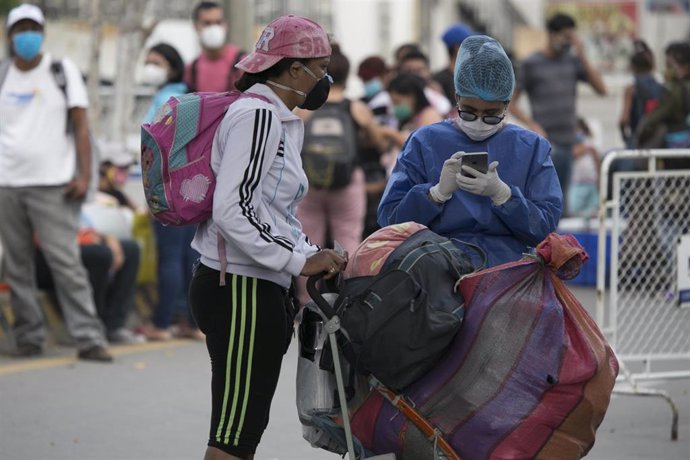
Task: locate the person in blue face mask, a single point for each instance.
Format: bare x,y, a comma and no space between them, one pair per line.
42,185
506,210
374,73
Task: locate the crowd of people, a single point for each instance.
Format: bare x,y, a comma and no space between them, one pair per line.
85,257
340,169
399,98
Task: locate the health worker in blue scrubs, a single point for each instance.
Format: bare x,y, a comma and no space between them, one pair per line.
508,209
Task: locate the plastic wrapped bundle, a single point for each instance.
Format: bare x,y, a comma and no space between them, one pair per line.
370,256
317,405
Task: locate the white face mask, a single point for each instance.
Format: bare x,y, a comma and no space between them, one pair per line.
154,75
212,37
477,130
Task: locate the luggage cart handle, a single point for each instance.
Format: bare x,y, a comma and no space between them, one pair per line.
316,296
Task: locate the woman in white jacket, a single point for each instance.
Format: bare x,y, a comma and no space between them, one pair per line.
260,181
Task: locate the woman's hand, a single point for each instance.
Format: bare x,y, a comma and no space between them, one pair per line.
325,261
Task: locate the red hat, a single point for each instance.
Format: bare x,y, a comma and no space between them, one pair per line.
288,36
372,67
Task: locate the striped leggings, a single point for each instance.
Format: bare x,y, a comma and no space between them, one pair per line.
245,327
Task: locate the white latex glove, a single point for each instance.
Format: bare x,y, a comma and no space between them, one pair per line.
447,184
488,184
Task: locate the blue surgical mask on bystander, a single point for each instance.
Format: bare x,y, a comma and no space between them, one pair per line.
372,87
27,44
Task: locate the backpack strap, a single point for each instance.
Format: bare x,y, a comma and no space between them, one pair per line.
193,75
482,254
346,105
58,72
4,69
429,430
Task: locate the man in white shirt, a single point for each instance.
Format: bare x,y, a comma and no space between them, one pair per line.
42,185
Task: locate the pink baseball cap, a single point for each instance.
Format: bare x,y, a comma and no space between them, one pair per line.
288,36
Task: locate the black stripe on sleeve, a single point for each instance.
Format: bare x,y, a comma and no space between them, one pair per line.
252,176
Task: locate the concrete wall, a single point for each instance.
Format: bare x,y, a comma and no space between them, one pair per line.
364,28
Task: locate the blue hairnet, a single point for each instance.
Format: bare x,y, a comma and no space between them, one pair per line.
455,34
483,70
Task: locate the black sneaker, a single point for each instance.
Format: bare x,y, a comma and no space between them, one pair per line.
27,351
95,353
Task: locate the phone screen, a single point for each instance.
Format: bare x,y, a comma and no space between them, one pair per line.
478,161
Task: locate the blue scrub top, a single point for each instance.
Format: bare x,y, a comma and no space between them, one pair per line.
505,232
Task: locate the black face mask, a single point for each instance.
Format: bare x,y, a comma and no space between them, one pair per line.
318,94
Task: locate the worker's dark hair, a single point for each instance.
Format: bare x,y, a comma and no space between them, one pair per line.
247,80
415,55
203,6
680,51
560,21
402,50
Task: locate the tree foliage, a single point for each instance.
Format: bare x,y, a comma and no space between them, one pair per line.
7,5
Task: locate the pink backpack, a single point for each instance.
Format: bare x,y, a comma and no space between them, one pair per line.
176,156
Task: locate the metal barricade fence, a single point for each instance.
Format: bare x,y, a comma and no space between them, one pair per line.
643,314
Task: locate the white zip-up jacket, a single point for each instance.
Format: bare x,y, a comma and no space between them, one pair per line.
259,183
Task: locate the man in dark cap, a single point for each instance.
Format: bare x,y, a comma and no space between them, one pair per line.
452,38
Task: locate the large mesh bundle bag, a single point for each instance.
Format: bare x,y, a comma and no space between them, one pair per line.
529,375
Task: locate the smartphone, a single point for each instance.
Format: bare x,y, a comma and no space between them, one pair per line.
475,160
